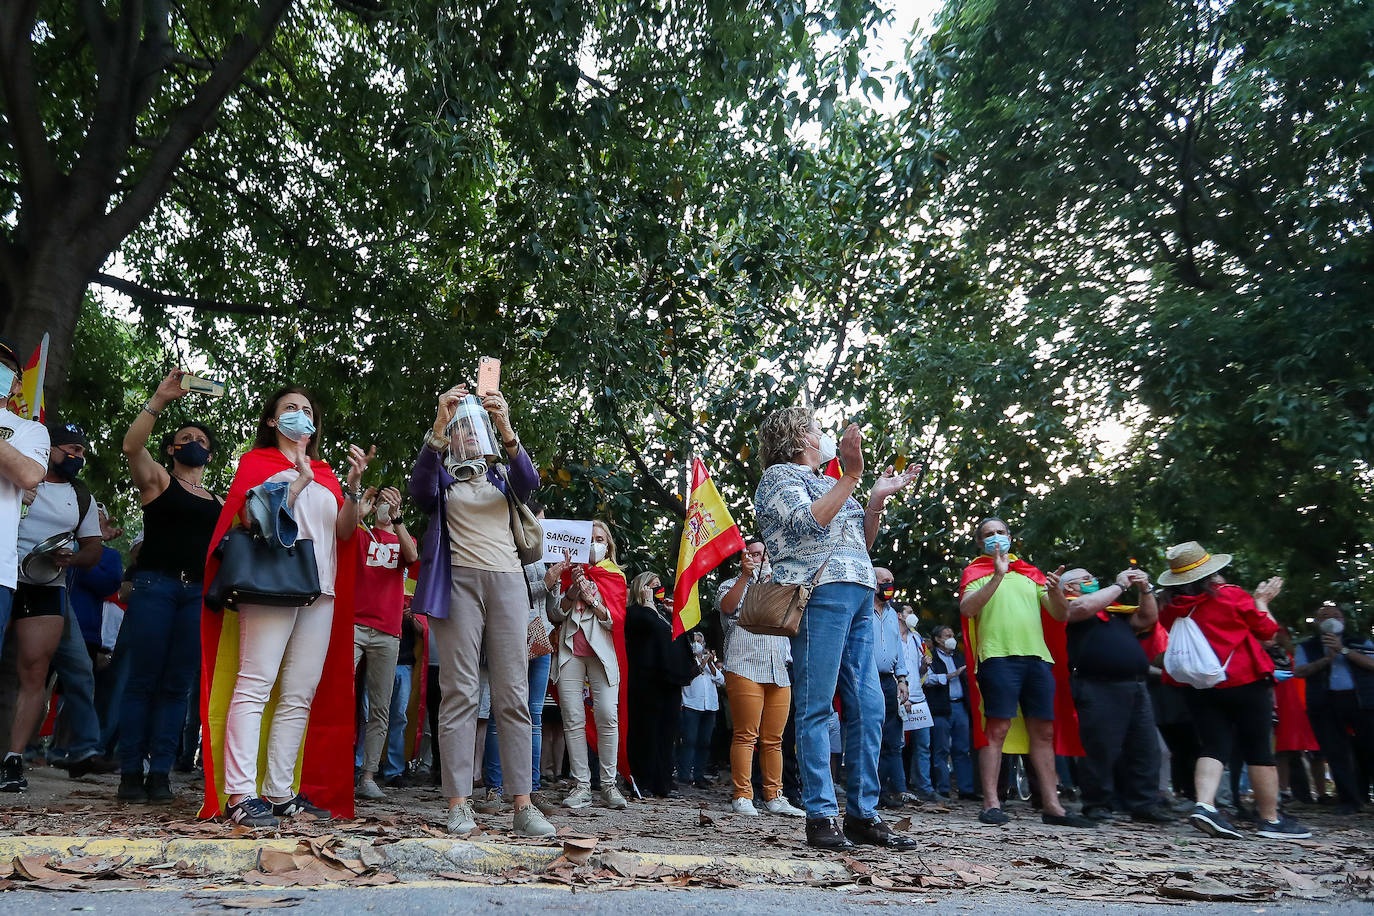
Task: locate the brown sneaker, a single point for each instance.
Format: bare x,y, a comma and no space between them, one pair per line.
824,833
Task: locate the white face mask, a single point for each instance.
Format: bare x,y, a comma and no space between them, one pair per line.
1332,626
598,552
698,648
950,644
384,513
911,622
826,447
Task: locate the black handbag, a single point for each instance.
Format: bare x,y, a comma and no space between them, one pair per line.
253,570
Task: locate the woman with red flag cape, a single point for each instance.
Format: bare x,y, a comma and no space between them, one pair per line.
1000,723
277,690
472,587
587,608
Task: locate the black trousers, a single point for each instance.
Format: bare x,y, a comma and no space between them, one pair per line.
655,710
1333,722
1117,725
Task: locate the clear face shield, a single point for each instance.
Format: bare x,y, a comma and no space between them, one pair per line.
471,437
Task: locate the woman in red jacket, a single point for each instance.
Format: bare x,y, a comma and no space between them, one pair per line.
1238,712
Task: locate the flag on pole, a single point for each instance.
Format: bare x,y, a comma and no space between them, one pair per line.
31,396
709,536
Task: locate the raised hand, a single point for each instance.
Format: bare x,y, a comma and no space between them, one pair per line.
1055,580
494,402
367,502
448,406
393,496
170,388
1268,590
357,464
554,574
303,467
851,451
891,482
1001,562
748,564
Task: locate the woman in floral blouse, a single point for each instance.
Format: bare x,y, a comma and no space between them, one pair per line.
808,521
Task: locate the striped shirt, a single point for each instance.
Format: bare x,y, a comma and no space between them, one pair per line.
797,545
759,658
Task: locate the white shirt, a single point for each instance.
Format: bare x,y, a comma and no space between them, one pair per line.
701,694
54,510
956,686
30,439
316,510
915,654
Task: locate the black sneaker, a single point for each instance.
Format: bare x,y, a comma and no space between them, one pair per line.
1068,819
1098,813
132,789
1285,828
873,832
300,805
251,812
1213,823
993,817
1152,816
159,789
12,775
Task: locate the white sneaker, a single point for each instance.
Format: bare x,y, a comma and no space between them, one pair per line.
781,805
580,797
461,820
611,798
744,806
368,788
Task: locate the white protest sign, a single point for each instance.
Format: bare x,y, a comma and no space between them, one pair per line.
920,716
572,536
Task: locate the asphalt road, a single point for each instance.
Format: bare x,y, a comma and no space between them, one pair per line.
430,899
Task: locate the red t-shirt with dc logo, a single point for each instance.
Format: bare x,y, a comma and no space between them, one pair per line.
378,589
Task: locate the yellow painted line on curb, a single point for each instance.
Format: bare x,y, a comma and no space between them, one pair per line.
235,856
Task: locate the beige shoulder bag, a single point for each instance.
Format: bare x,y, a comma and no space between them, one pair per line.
775,609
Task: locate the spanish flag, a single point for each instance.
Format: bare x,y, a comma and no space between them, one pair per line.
31,395
709,537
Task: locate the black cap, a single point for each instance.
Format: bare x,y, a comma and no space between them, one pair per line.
7,352
67,434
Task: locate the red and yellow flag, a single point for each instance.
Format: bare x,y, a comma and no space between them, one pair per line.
709,537
30,399
833,469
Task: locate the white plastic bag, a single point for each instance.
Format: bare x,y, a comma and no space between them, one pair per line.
1189,658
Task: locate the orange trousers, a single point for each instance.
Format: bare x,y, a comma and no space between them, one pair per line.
759,712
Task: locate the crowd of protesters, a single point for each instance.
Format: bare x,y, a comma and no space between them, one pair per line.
514,683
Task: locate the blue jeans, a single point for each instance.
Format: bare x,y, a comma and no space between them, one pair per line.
697,726
918,778
394,760
949,737
891,777
163,628
72,662
491,759
834,650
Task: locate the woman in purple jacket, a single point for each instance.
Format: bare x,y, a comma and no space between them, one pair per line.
472,586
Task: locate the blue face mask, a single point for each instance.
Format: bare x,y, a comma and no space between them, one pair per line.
69,467
295,425
1087,588
6,381
192,454
997,543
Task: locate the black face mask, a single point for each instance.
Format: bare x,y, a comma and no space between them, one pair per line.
192,454
69,467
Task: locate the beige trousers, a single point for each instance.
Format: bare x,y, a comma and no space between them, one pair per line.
380,649
572,674
488,610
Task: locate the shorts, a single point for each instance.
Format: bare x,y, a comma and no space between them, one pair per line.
1009,681
38,601
1235,720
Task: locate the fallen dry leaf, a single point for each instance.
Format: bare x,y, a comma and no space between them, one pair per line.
258,903
578,849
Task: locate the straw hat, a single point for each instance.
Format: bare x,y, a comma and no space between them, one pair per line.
1189,562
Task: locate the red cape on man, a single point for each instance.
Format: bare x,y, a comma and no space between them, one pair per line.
1066,739
610,581
326,768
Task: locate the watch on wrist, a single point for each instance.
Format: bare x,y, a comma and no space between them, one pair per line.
353,495
1345,650
436,441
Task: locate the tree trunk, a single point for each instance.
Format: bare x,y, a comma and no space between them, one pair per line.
49,301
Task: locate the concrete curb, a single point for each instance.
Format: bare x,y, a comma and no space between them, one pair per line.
413,857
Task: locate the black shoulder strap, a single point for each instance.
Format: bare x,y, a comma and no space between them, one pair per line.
83,501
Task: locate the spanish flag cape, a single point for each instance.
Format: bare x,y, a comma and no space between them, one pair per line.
324,769
415,706
610,581
1066,740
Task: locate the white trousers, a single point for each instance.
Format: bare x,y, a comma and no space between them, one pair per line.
283,646
572,674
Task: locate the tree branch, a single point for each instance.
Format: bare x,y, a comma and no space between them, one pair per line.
653,486
157,297
189,124
18,82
